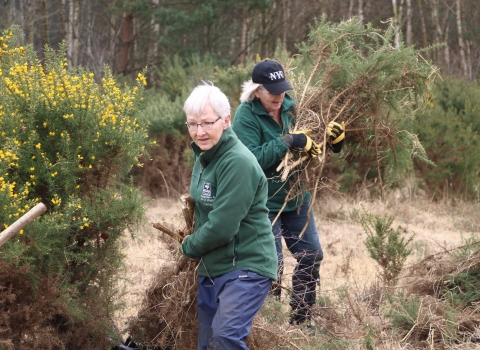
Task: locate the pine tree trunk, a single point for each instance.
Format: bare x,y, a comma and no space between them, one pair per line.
72,32
446,50
408,35
42,26
60,4
438,36
11,17
285,22
397,20
153,53
468,54
29,26
243,42
125,39
461,44
360,11
424,27
350,9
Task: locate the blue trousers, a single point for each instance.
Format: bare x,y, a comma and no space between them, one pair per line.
226,307
308,253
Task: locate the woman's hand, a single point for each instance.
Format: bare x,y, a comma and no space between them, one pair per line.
301,140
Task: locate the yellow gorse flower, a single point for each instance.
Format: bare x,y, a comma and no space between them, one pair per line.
61,104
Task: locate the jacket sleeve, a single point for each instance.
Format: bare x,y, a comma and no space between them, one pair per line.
248,129
236,189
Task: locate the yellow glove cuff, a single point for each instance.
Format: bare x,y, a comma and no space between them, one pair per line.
306,132
338,139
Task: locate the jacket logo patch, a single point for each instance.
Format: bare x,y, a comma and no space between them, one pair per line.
206,190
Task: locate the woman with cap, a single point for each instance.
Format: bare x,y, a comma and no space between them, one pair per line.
263,122
232,237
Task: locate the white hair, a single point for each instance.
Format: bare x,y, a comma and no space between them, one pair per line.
248,91
207,95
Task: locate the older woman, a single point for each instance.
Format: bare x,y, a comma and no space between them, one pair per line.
233,237
263,122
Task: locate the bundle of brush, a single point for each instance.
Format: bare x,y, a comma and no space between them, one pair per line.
351,73
168,316
446,288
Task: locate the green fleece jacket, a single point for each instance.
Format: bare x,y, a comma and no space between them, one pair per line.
232,229
259,131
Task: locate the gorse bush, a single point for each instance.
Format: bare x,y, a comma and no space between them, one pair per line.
68,141
448,128
386,245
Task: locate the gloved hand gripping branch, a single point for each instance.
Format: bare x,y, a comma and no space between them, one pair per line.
301,140
336,134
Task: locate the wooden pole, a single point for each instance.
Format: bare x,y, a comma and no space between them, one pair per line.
188,210
27,218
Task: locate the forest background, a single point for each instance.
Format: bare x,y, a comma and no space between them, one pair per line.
183,43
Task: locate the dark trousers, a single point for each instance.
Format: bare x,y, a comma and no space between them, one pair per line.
308,253
226,307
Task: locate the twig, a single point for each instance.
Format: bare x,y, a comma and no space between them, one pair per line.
377,154
289,168
415,324
283,206
277,335
164,180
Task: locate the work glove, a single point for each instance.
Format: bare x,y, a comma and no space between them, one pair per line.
301,140
336,135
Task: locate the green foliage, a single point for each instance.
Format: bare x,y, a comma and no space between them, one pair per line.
180,75
163,112
369,340
162,116
403,312
273,311
385,245
356,76
422,318
463,289
362,59
448,128
68,142
230,81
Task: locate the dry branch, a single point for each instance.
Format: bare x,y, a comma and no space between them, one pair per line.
168,315
353,74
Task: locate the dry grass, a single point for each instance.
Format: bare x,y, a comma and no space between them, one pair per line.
348,274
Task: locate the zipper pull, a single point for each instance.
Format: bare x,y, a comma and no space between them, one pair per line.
234,258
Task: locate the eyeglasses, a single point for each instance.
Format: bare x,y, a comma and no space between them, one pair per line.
204,125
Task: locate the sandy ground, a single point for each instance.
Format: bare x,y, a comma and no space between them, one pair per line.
437,227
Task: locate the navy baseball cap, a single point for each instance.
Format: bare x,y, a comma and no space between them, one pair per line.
271,75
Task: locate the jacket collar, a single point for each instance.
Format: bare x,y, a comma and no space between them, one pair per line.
227,140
